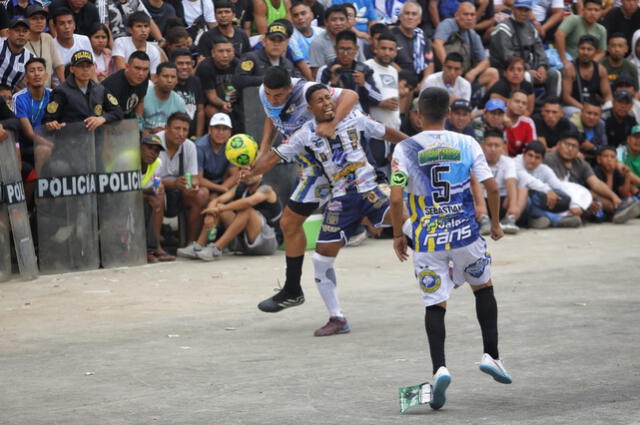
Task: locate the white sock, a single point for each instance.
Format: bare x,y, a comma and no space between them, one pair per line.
326,282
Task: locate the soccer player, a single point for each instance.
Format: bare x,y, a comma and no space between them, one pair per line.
354,192
434,168
284,103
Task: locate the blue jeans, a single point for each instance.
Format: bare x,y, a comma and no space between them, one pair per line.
537,206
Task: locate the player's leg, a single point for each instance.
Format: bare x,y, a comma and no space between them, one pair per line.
325,276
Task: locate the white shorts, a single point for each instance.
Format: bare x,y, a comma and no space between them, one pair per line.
312,189
471,263
265,243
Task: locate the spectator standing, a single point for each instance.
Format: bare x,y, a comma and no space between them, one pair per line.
67,42
414,50
450,79
190,90
225,17
624,19
85,13
139,29
551,124
161,101
41,44
13,54
574,27
618,121
514,79
304,33
99,37
615,62
129,85
160,12
266,12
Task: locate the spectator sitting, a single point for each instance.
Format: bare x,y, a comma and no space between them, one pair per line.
365,15
84,13
551,123
161,101
450,79
618,121
618,179
180,157
548,16
591,128
160,12
414,52
14,55
99,37
67,42
634,57
117,12
139,29
574,27
41,43
248,211
347,73
198,15
629,154
460,118
225,15
624,19
623,82
584,78
512,199
215,172
177,37
129,85
18,8
520,129
492,119
154,198
511,80
615,62
190,90
304,33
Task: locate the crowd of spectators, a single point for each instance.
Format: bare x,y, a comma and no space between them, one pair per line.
549,88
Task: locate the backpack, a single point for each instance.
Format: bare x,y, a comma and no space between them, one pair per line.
456,43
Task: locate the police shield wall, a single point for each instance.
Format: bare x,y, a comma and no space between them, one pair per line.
66,199
120,207
5,244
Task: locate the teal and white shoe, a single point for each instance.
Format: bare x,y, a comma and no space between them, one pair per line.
441,381
495,368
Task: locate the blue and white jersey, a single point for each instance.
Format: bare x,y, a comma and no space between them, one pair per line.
342,158
289,117
435,169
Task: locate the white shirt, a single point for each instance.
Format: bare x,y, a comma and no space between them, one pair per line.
461,87
193,10
124,46
386,78
80,42
541,8
170,167
504,169
545,178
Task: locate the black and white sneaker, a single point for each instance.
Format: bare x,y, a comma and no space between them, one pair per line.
279,302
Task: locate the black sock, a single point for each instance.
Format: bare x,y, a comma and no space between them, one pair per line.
294,272
487,312
434,324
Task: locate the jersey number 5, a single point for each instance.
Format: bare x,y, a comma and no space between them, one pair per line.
441,192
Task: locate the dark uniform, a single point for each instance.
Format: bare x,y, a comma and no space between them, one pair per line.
69,104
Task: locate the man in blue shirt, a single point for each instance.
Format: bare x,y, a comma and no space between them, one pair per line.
215,171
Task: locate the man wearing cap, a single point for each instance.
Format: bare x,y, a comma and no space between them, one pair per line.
618,121
629,154
79,98
215,172
41,44
492,119
517,36
13,55
250,70
150,148
460,118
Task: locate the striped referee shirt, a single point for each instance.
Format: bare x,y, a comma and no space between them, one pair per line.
12,65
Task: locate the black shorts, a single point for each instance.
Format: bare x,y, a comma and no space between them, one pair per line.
304,209
174,204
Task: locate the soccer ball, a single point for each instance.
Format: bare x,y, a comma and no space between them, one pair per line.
241,150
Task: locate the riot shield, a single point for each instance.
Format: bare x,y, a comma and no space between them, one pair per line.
66,199
5,244
17,208
254,115
120,207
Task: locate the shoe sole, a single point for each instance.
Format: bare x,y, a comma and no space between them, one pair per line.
277,307
570,223
625,215
510,231
439,388
540,224
495,374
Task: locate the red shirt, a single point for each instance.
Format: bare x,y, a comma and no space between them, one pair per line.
518,135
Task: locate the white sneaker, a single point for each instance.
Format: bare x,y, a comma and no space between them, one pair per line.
509,225
189,251
209,253
441,381
357,240
495,368
485,225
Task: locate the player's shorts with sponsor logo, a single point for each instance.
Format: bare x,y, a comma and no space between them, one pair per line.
471,263
343,214
310,193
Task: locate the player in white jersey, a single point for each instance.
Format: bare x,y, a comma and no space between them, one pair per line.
284,103
354,192
434,168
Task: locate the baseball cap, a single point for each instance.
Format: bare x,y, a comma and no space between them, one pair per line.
220,119
495,104
152,140
623,95
277,30
18,21
81,56
34,9
523,3
635,129
461,104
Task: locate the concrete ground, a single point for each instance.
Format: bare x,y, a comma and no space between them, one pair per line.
183,343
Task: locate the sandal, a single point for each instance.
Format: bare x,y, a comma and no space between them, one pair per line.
151,258
164,256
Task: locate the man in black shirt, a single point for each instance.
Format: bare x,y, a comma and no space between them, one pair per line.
410,37
160,12
85,14
129,85
618,121
550,123
190,90
225,16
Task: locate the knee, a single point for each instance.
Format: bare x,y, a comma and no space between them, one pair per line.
289,223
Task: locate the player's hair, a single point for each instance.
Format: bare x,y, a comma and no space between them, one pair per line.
180,52
314,88
336,8
178,116
165,65
536,146
35,59
387,36
277,77
494,133
299,3
598,2
346,35
618,35
175,34
224,4
588,39
605,148
138,17
140,55
434,104
62,11
551,101
454,57
377,28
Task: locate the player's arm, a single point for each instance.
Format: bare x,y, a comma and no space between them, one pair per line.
511,185
345,104
397,215
493,197
286,152
263,164
393,135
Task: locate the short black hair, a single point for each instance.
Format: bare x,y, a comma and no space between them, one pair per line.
165,65
336,8
571,134
311,90
598,2
617,35
605,148
349,5
220,39
493,133
297,3
454,57
140,55
346,35
178,116
553,100
174,34
276,77
588,39
377,28
35,59
180,52
224,4
623,80
518,91
138,17
387,36
434,104
409,77
61,11
536,146
593,102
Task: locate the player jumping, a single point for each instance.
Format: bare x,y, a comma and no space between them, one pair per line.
434,167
